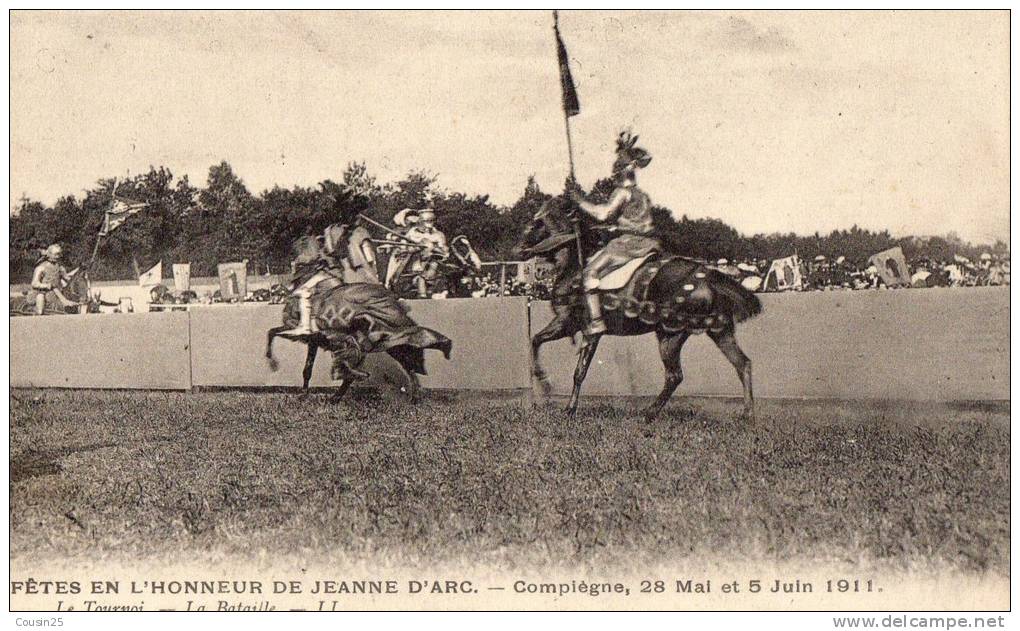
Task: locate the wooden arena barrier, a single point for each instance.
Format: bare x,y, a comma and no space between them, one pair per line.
943,344
138,350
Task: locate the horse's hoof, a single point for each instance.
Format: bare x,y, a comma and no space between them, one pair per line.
544,387
650,414
570,410
273,364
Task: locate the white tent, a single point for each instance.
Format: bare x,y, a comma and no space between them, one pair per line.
784,274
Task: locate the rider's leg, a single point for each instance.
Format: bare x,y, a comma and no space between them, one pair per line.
423,290
398,261
592,271
304,293
40,303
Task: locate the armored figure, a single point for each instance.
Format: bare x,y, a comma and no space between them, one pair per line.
49,275
631,210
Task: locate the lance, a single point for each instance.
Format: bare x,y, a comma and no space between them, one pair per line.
388,230
402,244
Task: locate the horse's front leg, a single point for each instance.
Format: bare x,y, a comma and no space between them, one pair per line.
555,330
270,336
588,347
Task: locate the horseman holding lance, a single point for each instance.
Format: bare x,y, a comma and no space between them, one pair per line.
434,248
631,210
424,260
337,303
49,275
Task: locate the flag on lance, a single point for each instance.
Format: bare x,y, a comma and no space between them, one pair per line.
120,210
571,106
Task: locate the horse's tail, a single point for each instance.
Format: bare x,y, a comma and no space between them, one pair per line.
733,298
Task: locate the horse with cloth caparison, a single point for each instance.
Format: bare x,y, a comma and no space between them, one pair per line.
629,286
338,305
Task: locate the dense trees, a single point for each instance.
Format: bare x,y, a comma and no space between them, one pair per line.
224,221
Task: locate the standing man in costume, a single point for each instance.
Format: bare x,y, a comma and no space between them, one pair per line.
48,276
631,210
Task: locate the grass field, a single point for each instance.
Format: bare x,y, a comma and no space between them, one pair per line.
136,475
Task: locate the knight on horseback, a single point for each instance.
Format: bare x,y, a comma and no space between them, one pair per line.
631,210
49,275
424,260
337,303
434,249
346,252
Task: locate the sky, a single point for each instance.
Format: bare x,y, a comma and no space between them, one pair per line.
771,121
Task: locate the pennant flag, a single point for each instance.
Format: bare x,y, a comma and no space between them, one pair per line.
119,211
152,277
571,106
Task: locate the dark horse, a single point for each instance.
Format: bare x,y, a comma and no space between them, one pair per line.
682,298
75,290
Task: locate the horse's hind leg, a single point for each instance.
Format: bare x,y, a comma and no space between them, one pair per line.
670,346
584,357
306,374
553,331
410,362
727,343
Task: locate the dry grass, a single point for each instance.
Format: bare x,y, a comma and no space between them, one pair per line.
129,475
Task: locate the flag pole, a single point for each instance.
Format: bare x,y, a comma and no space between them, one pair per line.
566,114
99,237
95,250
565,78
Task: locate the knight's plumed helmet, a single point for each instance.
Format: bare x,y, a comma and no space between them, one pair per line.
629,157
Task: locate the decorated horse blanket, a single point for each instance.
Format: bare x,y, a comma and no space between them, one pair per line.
371,315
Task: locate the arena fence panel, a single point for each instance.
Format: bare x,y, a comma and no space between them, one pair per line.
141,350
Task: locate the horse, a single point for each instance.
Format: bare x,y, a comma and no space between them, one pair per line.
354,319
76,291
682,298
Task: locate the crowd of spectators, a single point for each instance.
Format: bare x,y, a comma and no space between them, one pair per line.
820,274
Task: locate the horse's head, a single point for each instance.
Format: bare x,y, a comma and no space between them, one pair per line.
78,286
307,250
549,230
465,254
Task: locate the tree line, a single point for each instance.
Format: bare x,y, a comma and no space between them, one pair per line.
224,221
